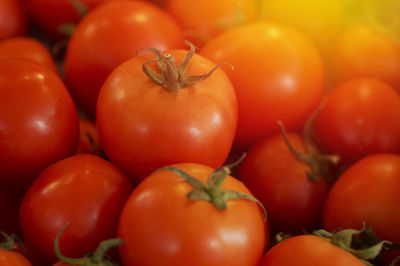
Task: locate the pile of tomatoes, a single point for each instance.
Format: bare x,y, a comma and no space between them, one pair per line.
201,132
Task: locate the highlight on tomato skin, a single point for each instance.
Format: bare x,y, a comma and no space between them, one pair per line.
279,75
107,36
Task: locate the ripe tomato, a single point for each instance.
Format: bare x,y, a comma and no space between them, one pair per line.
277,75
359,117
204,19
144,126
38,121
305,250
319,20
11,258
12,19
278,179
49,15
85,190
362,51
189,232
27,48
367,191
109,35
89,139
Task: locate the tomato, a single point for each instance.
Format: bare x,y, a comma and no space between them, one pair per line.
361,51
277,76
109,35
49,15
13,20
27,48
204,19
144,126
89,139
38,121
189,232
85,190
278,179
305,250
359,117
11,258
321,21
367,191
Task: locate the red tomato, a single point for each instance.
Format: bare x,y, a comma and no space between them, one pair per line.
278,75
204,19
109,35
12,19
144,126
38,121
278,179
11,258
161,226
306,250
27,48
85,190
367,191
49,15
361,51
89,139
359,117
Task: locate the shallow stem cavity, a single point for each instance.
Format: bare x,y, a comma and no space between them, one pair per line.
169,75
212,191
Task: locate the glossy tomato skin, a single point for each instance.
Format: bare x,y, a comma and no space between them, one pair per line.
49,15
367,191
27,48
189,233
85,190
38,121
13,20
11,258
277,76
361,51
305,250
144,126
278,179
359,117
109,35
204,19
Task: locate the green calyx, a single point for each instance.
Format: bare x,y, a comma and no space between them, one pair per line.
212,191
9,241
97,258
170,76
349,239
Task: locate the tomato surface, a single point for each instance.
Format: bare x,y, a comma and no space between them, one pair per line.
27,48
13,21
11,258
109,35
204,19
38,121
367,191
144,126
84,190
278,179
277,76
189,232
321,21
359,117
362,51
308,250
